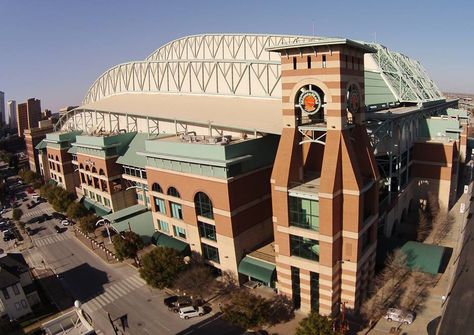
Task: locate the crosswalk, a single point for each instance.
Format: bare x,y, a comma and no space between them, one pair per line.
114,292
35,212
50,239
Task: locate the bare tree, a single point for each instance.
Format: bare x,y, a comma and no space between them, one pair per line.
441,226
197,281
433,205
424,226
415,290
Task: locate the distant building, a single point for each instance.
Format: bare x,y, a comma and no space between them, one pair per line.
12,114
28,115
64,110
33,137
2,107
17,291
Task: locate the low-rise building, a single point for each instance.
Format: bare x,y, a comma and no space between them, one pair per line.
17,290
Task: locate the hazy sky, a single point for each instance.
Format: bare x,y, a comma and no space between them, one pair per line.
55,49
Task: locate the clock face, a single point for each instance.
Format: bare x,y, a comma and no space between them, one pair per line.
309,101
353,99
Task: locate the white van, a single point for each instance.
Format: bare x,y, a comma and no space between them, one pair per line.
35,197
190,312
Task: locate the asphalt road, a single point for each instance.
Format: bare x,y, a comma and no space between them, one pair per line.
458,317
109,288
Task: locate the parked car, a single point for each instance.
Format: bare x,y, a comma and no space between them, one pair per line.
65,222
59,216
395,314
8,236
175,302
58,230
190,312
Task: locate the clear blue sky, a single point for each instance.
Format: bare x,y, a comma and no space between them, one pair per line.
55,49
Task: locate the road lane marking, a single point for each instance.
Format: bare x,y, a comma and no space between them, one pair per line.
123,287
136,281
121,290
100,301
114,289
106,297
132,283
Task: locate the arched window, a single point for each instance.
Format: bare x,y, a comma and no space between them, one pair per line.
81,166
203,205
173,192
88,168
94,170
101,172
156,188
57,158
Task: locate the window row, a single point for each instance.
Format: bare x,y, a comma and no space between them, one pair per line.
6,294
134,172
304,247
97,197
177,231
57,178
94,182
202,203
55,167
93,169
53,158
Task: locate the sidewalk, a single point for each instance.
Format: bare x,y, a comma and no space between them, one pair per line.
427,321
100,250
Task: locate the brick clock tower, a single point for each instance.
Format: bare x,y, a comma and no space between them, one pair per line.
325,179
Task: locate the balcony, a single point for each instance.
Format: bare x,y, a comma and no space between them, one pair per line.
309,186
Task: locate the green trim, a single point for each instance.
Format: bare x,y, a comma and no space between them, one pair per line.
257,269
96,207
163,240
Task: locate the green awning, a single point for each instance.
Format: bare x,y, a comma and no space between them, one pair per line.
141,223
163,240
41,145
52,182
257,269
96,207
423,257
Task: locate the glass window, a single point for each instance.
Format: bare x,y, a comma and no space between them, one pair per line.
207,230
176,211
156,188
5,293
314,291
210,253
163,226
143,174
304,247
295,287
99,198
159,205
16,290
304,213
203,205
179,232
60,179
23,303
106,202
173,192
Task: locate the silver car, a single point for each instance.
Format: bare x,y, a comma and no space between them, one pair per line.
394,314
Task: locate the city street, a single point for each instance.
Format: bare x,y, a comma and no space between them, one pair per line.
107,288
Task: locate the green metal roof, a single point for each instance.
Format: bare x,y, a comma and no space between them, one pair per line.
423,257
257,269
130,156
72,150
92,205
41,145
439,127
377,93
164,240
125,213
141,223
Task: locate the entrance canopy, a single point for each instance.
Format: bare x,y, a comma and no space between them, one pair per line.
257,269
423,257
96,207
163,240
136,218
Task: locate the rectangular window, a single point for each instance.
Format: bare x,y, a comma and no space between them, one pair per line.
60,179
59,167
17,306
107,202
304,213
16,290
210,253
143,174
160,205
295,287
5,293
163,226
294,63
207,231
179,232
176,211
324,61
314,291
99,198
23,303
304,247
309,62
